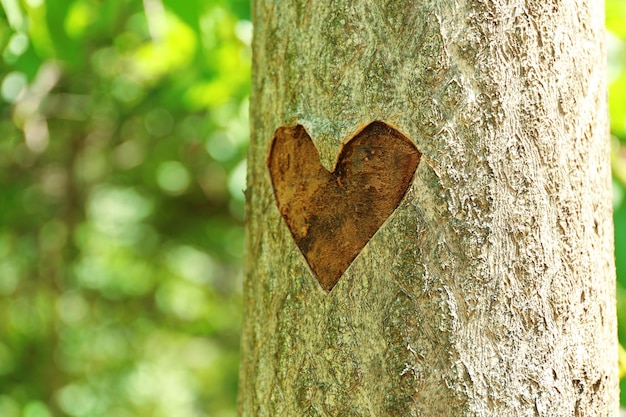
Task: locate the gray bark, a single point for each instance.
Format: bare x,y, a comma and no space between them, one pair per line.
490,291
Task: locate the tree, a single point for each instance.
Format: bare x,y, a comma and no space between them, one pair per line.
490,289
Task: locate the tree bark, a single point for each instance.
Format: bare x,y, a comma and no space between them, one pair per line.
490,290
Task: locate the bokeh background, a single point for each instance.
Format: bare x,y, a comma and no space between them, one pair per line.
123,138
123,135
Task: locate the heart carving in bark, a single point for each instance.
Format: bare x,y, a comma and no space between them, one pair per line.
332,215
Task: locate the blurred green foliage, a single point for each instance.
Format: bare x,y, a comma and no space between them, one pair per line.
123,134
616,47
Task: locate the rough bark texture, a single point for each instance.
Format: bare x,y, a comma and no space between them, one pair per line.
490,290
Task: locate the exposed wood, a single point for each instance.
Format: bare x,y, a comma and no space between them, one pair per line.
490,290
332,215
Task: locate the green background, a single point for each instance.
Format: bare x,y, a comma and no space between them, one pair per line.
123,137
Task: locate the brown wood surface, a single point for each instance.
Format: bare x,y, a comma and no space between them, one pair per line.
332,215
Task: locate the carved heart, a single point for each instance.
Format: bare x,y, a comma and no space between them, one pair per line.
332,215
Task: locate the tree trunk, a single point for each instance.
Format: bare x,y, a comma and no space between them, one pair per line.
490,289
